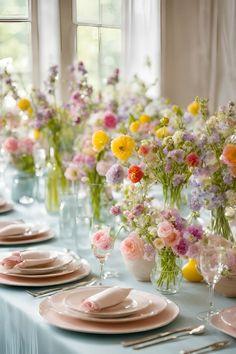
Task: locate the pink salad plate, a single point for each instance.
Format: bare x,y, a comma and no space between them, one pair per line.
83,271
6,207
145,307
73,266
228,315
133,303
217,322
168,315
32,232
27,239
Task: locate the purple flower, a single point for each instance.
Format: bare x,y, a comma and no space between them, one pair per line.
195,204
227,178
177,180
188,137
149,252
115,210
115,174
138,210
168,166
89,160
177,155
182,248
188,117
196,231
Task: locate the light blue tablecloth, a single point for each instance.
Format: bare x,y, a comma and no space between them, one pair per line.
23,331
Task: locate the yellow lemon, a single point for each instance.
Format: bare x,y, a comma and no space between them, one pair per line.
194,108
144,118
134,127
190,271
36,134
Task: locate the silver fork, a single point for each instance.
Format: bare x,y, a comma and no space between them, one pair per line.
51,291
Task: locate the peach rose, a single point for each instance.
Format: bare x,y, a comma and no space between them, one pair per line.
132,247
11,145
229,155
165,229
172,239
158,243
102,240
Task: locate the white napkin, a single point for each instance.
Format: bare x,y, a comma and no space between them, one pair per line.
109,297
14,229
35,258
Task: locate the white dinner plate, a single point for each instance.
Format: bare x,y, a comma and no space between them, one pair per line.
168,315
27,240
82,272
154,306
130,305
217,322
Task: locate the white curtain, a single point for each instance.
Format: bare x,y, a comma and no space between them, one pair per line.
141,28
198,51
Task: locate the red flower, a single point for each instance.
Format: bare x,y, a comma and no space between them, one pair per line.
135,174
144,150
192,159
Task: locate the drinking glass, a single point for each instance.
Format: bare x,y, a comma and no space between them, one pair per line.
212,262
102,243
39,155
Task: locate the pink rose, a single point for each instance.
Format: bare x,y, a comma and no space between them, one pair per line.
11,145
102,167
110,120
165,229
132,247
72,172
26,146
172,239
102,240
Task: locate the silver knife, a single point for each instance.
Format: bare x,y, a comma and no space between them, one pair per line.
128,343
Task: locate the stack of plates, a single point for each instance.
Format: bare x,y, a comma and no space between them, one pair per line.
42,268
25,235
5,206
140,311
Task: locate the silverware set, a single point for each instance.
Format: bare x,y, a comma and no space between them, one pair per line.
154,339
54,290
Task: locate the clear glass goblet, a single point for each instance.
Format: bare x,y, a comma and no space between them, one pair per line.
212,262
102,244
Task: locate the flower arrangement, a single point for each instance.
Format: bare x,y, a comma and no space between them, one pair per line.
213,181
102,239
21,153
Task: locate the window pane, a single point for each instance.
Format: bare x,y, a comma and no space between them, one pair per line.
110,51
14,8
88,11
15,44
111,12
87,51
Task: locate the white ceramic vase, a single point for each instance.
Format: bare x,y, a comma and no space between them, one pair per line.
140,268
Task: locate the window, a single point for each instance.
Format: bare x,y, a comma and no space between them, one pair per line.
16,37
98,36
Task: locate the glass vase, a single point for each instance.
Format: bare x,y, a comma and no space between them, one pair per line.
23,187
166,275
220,223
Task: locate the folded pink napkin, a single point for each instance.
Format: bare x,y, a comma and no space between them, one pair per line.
13,229
26,259
109,297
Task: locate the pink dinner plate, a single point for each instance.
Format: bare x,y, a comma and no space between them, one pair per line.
228,315
6,207
217,322
47,311
27,240
31,233
70,268
82,272
147,305
130,305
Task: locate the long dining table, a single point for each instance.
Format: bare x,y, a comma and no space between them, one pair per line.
24,331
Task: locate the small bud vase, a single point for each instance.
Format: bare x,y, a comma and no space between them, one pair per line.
166,274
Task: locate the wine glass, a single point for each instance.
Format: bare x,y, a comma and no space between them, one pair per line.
212,262
39,155
102,244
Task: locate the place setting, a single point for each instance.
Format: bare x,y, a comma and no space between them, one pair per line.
18,232
37,268
113,310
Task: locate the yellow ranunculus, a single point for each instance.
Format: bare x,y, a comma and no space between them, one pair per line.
122,147
99,140
164,121
144,118
194,108
134,126
36,134
163,132
30,111
23,104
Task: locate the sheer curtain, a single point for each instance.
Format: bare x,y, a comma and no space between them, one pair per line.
198,50
141,28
